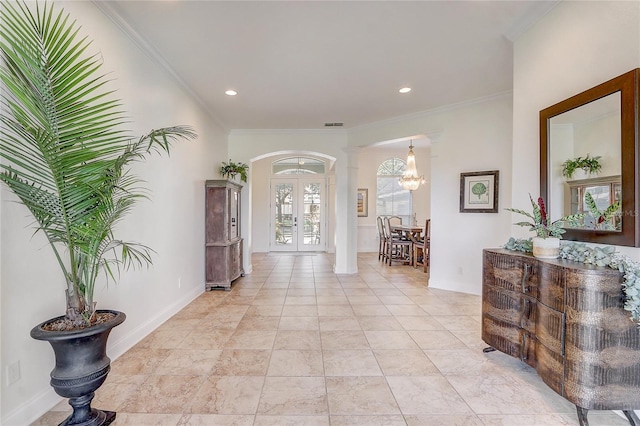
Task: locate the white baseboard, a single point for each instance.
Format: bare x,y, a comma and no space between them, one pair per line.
462,287
42,402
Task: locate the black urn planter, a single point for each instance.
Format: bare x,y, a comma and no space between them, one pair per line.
81,367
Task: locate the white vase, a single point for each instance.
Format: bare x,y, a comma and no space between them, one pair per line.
580,174
546,248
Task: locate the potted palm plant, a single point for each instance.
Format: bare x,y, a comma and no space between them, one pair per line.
546,243
66,158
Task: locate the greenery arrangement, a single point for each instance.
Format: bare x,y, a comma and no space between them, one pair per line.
603,218
231,169
600,256
540,222
64,153
588,164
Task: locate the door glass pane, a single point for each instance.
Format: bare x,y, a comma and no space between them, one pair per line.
311,204
284,213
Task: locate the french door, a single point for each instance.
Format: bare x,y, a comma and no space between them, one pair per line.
297,214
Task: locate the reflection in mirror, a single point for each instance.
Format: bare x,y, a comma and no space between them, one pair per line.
590,131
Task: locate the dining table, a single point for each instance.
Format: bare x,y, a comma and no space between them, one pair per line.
412,232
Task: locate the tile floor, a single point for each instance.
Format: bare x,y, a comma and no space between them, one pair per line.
295,344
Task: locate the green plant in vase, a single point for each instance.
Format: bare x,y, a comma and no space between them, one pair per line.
590,165
230,170
546,244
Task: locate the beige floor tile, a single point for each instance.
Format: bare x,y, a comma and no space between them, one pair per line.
139,361
367,421
396,300
610,419
54,418
146,419
242,362
293,396
364,300
339,323
458,322
299,323
300,300
427,395
264,310
371,310
207,339
436,340
215,420
297,339
463,362
360,396
350,363
291,421
189,362
251,339
490,395
258,323
335,311
227,395
390,340
447,420
163,394
295,363
379,323
419,323
300,311
332,300
116,391
406,310
164,339
344,339
405,363
359,292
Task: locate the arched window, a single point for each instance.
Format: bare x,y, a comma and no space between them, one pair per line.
391,198
297,166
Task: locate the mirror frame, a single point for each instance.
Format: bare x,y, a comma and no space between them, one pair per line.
628,86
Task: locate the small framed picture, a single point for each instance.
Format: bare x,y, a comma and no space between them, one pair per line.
479,192
363,202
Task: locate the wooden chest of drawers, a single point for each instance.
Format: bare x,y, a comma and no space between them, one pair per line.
565,319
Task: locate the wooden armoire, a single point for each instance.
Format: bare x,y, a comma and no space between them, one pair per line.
223,239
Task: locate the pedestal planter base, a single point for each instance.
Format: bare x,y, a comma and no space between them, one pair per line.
81,367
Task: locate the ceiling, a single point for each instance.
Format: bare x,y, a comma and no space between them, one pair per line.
301,64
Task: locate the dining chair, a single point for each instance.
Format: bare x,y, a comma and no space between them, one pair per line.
382,246
422,247
398,250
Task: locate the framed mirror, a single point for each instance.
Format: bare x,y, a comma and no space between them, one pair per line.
598,124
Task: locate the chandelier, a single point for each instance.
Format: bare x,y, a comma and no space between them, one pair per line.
410,179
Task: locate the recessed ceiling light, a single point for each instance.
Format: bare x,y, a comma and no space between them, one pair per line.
231,92
405,90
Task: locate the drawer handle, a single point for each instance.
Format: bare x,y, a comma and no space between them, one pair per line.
525,277
526,311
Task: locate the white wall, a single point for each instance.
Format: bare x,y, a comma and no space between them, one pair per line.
172,223
475,136
369,159
576,46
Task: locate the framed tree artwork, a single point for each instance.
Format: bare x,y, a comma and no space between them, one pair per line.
479,192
